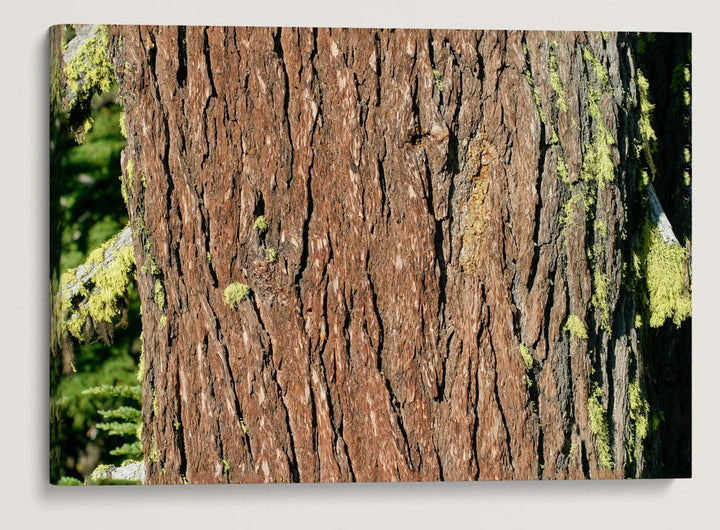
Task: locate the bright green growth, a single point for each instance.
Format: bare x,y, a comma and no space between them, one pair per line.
600,298
599,427
244,427
176,425
111,271
663,265
555,81
89,70
271,255
226,466
208,255
526,357
160,295
639,423
261,224
236,293
437,77
576,327
163,321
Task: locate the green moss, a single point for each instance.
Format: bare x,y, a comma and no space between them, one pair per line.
260,224
101,293
662,266
159,295
208,255
555,81
639,422
163,321
244,427
576,327
226,466
89,70
600,298
236,293
599,427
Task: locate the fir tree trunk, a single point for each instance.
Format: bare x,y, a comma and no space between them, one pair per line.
437,230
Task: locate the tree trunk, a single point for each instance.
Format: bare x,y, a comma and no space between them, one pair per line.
444,288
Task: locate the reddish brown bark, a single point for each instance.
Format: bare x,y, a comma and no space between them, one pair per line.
413,197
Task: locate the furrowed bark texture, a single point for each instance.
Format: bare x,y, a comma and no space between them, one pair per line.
430,251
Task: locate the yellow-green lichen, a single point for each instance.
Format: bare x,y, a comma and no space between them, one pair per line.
260,224
271,255
123,131
600,298
576,327
153,454
562,168
163,321
645,123
639,422
555,81
97,295
597,160
599,69
89,70
159,295
599,427
526,357
236,293
662,266
141,362
437,78
126,185
226,466
244,427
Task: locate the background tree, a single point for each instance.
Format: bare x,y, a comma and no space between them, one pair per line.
402,255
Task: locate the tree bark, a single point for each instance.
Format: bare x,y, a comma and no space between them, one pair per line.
450,210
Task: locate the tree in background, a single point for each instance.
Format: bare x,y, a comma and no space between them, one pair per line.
86,210
405,255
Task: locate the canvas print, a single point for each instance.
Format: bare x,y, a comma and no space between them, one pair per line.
350,254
